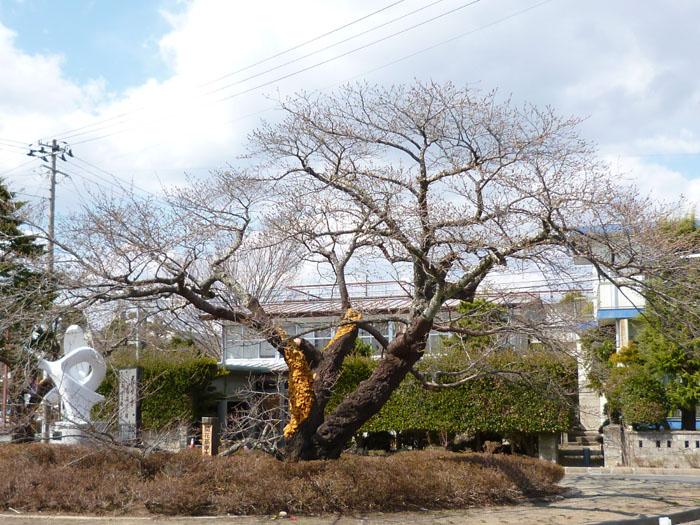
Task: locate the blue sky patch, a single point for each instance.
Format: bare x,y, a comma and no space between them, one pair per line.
117,41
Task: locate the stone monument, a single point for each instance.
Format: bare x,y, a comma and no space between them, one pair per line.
129,404
75,376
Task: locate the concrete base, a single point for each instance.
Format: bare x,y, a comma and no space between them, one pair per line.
65,433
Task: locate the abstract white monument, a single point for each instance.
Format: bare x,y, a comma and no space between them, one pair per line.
75,376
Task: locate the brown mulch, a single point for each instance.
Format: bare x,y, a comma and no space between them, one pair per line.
36,478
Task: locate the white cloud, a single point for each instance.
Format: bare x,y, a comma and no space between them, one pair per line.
633,77
657,181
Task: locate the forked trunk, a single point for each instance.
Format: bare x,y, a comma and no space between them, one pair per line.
325,437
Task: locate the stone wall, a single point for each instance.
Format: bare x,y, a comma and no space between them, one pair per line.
667,449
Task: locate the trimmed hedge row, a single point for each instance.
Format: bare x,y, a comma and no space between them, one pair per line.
537,399
176,386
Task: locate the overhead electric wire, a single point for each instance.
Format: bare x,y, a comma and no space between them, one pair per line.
287,63
249,66
10,145
452,39
16,152
310,41
307,68
303,57
29,194
121,185
13,140
388,64
353,37
16,167
114,176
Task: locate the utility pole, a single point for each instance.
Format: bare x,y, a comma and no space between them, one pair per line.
52,209
54,149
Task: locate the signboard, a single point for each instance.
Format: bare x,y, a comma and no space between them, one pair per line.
129,404
210,436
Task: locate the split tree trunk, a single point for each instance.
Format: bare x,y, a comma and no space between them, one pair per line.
325,437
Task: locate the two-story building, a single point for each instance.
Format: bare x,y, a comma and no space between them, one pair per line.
312,311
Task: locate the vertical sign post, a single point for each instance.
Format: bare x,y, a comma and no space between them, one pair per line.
5,379
129,404
210,436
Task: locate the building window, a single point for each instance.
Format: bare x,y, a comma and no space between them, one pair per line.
243,343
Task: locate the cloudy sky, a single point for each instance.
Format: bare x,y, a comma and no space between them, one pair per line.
146,91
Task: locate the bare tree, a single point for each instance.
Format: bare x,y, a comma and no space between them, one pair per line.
261,414
439,185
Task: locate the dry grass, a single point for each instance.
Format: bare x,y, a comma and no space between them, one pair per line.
80,480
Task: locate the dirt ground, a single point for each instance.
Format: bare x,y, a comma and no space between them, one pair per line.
590,499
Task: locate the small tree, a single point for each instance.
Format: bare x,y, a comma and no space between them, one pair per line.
660,370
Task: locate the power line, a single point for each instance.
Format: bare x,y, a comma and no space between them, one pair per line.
15,151
387,64
451,39
16,167
249,66
294,48
95,167
19,142
29,194
313,66
10,145
285,64
678,154
353,37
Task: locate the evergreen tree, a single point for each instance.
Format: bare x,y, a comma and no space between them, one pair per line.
660,370
669,342
24,292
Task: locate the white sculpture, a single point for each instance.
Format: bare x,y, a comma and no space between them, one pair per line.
76,376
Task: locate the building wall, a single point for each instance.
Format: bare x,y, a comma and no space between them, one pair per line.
668,449
240,342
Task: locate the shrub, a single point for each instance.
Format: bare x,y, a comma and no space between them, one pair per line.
639,397
533,402
99,481
176,386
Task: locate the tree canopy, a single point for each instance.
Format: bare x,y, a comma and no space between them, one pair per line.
437,186
24,296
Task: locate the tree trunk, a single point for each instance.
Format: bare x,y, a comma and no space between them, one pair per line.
325,437
688,419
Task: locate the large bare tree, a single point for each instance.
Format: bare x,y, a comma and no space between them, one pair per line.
440,185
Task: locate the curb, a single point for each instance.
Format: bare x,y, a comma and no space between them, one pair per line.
677,517
633,470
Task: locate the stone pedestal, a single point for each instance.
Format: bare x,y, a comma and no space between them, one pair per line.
547,446
67,433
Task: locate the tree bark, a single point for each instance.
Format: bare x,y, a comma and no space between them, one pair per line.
688,419
325,437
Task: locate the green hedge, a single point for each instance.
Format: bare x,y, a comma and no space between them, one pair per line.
176,386
537,401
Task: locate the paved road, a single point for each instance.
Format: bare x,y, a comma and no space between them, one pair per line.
592,498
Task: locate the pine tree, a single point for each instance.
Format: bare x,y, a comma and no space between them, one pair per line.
24,292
